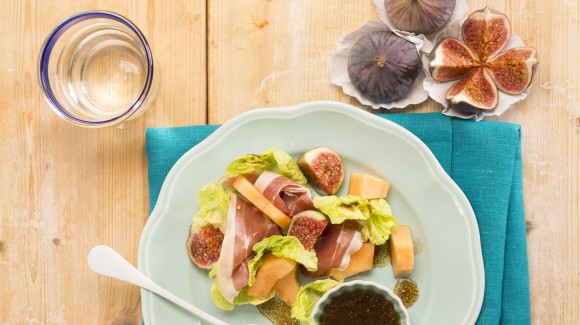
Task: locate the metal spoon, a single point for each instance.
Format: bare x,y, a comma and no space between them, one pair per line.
106,261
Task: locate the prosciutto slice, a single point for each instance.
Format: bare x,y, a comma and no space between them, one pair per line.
245,226
287,195
228,182
335,247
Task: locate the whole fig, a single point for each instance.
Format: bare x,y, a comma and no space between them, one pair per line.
419,16
383,66
479,63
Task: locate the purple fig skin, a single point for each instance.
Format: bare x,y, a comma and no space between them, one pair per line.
383,66
419,16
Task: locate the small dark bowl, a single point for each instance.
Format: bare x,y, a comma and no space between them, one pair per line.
361,285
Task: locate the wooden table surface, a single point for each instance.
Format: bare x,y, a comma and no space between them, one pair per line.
67,189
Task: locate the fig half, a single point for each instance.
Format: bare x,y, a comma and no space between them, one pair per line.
480,64
477,90
419,16
452,60
204,246
307,226
383,66
513,69
486,32
323,169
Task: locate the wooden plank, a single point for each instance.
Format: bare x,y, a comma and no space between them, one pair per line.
68,188
276,53
550,119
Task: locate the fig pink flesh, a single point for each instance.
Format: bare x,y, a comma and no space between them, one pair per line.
512,69
452,60
477,90
204,246
323,169
307,226
486,32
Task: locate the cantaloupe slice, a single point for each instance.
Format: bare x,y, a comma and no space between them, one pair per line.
272,269
402,255
287,287
248,190
360,261
368,186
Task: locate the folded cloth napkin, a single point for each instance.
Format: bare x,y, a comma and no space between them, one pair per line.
483,158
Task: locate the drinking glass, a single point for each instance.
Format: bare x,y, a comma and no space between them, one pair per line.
96,69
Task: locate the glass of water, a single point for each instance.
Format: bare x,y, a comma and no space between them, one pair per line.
96,69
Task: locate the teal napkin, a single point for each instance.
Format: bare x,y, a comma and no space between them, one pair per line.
483,158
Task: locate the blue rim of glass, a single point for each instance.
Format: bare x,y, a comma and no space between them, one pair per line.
49,44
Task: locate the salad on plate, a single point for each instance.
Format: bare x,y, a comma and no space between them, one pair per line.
272,229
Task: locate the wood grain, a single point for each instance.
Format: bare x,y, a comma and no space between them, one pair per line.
275,53
286,61
550,119
67,189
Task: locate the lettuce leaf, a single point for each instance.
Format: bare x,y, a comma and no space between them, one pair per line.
340,209
272,159
241,299
376,214
213,272
250,164
281,246
381,223
307,297
214,202
287,166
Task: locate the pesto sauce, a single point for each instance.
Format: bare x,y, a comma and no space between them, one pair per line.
277,312
408,291
360,307
382,255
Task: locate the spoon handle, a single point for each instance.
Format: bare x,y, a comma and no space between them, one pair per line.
106,261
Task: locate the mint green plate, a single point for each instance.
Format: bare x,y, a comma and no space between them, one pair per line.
449,269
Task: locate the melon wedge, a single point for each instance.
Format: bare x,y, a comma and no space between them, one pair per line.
367,186
360,261
287,287
271,270
402,254
252,194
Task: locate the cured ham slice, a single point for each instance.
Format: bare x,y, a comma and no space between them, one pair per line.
335,246
227,182
287,195
245,226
